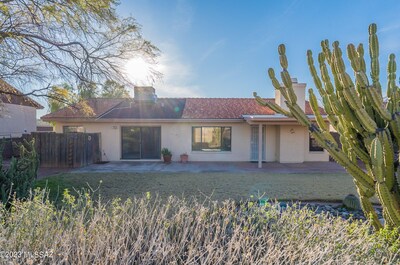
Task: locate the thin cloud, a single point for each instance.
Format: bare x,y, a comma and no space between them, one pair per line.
291,8
389,28
213,48
183,16
178,75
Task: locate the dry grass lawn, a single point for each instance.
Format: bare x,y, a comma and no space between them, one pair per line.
218,186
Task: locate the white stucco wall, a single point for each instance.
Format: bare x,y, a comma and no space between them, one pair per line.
175,136
271,143
291,144
294,146
284,143
16,120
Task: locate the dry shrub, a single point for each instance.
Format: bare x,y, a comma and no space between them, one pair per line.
151,231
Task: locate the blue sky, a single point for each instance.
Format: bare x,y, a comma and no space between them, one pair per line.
224,48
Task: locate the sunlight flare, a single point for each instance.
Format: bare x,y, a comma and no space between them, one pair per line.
140,71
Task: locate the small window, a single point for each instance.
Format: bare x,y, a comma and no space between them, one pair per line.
211,138
73,129
314,146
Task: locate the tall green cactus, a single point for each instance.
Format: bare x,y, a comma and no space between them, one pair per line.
368,124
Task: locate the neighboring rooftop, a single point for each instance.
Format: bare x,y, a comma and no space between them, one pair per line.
11,95
98,106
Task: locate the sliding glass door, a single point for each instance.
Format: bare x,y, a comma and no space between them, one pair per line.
141,142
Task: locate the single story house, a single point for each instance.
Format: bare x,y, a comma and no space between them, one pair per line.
17,112
207,129
42,126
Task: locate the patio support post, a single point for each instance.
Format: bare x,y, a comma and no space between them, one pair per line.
260,145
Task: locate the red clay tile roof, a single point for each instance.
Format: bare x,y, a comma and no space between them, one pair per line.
309,111
15,97
98,105
223,108
228,108
170,108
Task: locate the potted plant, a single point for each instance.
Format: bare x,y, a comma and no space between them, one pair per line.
167,155
184,158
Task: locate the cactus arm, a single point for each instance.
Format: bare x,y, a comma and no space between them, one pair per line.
376,153
386,199
376,100
287,81
392,105
299,114
350,116
368,125
388,157
367,122
315,108
395,126
272,105
360,52
363,178
285,76
364,157
327,52
275,83
347,88
317,80
325,75
391,70
369,211
374,55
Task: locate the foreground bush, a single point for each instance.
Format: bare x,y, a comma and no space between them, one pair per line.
17,179
147,231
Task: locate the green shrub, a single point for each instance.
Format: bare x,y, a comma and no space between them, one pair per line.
150,231
17,179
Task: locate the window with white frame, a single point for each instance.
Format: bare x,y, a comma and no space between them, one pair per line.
211,138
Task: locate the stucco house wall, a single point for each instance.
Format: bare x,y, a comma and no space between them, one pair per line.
294,143
175,136
16,120
17,112
291,144
286,144
272,145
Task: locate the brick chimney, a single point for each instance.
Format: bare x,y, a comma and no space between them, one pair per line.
145,93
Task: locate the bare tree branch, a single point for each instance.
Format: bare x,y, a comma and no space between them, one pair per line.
77,42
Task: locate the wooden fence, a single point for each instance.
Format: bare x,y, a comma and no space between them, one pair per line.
66,149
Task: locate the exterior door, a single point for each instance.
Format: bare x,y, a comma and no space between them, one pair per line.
254,143
141,142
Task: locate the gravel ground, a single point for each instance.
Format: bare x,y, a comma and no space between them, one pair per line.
335,209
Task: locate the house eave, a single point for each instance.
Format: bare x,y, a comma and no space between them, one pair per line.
93,120
276,119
